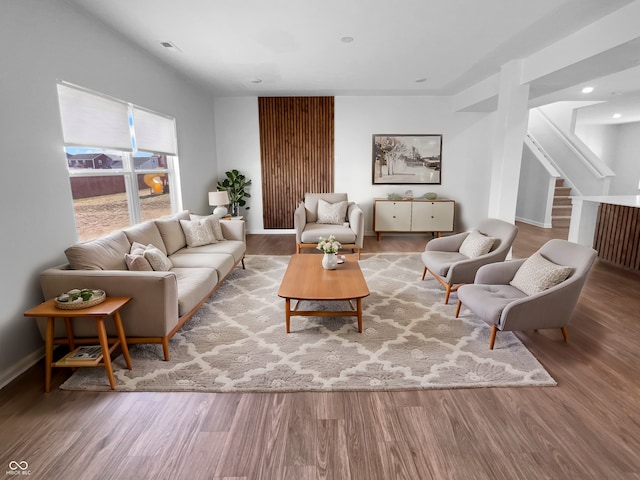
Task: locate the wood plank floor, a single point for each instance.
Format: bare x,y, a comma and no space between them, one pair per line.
588,427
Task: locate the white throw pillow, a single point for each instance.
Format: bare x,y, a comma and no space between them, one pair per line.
214,223
537,274
197,232
333,213
476,244
157,259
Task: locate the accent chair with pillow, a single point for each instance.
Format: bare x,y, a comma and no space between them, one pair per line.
454,260
538,292
325,214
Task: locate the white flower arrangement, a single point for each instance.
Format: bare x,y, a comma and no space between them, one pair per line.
328,245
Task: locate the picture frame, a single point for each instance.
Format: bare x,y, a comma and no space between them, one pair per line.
406,159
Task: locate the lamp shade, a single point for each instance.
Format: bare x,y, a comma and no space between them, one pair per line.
218,198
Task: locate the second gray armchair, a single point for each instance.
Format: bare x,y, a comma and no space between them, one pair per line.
325,214
454,260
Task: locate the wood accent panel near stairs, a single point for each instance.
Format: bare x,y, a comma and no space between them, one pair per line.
617,235
296,150
561,209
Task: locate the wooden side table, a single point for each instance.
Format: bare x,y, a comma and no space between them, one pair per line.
110,307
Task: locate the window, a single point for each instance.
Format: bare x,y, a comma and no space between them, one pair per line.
122,161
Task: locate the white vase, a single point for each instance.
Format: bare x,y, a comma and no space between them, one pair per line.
329,261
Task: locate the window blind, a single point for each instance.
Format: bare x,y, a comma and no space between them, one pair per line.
154,133
91,120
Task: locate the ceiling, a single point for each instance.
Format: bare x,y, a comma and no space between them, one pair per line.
298,47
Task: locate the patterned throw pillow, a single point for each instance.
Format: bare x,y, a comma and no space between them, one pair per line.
333,213
214,223
476,244
158,260
537,274
197,232
137,263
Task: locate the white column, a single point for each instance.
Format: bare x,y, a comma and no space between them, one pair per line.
510,129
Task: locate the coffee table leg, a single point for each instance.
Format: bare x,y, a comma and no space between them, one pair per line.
117,320
48,354
106,356
287,313
359,308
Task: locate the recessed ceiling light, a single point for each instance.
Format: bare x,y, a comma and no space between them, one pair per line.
256,80
420,80
587,90
346,39
170,46
616,93
617,115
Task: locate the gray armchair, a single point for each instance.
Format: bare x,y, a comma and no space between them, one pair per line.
507,308
348,229
443,260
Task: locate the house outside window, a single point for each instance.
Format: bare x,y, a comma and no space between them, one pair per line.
122,161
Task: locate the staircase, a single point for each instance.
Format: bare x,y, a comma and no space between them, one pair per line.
561,210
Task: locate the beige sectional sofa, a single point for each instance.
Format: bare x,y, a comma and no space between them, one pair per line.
162,299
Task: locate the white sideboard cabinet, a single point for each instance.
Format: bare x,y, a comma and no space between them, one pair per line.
416,215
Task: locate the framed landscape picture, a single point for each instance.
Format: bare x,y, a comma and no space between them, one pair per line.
407,159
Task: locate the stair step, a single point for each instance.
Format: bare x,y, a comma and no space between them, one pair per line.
561,201
561,211
562,191
560,221
559,182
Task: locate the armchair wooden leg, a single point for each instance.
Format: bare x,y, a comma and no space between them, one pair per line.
446,294
424,272
565,334
458,308
297,248
492,339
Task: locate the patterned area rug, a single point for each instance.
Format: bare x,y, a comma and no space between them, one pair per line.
236,342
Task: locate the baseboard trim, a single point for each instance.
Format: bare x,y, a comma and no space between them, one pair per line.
534,223
20,367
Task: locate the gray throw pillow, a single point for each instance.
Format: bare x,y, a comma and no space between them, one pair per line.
332,213
476,244
538,274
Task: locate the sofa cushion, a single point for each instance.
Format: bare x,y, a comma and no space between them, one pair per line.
332,213
104,253
171,232
146,233
197,232
194,284
214,223
235,248
313,231
222,263
157,259
538,274
476,244
137,263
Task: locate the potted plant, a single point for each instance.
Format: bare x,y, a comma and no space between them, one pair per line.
235,185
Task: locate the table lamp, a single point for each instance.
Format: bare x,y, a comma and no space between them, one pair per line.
220,200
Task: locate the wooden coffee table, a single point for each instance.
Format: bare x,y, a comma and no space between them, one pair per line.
305,279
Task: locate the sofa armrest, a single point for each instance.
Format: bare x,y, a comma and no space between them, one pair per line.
153,310
299,221
234,230
356,222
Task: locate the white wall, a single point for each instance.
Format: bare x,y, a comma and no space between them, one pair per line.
465,156
601,140
533,192
44,42
626,161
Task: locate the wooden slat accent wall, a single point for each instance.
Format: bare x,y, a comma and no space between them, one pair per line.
296,149
617,235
